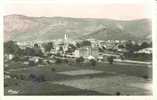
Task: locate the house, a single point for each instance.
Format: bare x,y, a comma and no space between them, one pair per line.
145,50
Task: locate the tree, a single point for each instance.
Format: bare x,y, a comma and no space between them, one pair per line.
29,51
71,48
100,49
129,46
41,78
118,93
32,76
48,46
110,59
78,45
150,44
61,48
58,61
32,63
11,47
144,45
121,46
53,69
93,62
103,47
37,50
80,60
136,47
22,77
20,52
85,43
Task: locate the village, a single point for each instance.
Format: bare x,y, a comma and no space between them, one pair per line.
86,48
55,60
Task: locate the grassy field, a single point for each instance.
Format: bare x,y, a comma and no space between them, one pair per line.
111,79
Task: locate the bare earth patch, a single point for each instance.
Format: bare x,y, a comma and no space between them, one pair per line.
80,72
126,85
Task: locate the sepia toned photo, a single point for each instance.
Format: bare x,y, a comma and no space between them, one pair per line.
79,49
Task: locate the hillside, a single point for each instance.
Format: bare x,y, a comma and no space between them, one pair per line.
24,28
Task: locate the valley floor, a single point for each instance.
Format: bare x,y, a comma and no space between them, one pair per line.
79,79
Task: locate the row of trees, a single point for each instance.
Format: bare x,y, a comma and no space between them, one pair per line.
135,47
11,47
128,46
93,62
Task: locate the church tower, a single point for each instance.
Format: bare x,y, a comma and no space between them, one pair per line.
66,42
65,37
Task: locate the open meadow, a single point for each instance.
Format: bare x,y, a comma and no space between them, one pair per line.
78,79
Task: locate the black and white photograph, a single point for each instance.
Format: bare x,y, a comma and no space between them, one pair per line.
77,49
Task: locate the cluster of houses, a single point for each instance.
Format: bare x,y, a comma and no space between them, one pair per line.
61,46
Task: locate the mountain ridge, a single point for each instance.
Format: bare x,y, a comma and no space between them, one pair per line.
24,28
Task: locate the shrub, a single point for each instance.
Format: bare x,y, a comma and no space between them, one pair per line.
6,85
16,84
16,58
53,69
41,78
66,61
145,76
58,61
110,59
22,77
32,76
117,93
80,60
93,62
17,77
31,63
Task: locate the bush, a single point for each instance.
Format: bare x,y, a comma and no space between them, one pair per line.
16,58
122,57
58,61
41,78
17,77
11,47
32,76
22,77
53,69
31,63
16,84
80,60
6,85
110,59
117,93
93,62
66,61
145,76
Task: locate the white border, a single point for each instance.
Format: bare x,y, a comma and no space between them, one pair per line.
77,1
154,35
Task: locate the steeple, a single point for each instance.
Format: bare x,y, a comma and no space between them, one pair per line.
66,42
65,37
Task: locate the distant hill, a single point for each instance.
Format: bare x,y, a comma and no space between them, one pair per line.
24,28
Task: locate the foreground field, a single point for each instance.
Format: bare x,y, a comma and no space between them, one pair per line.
80,79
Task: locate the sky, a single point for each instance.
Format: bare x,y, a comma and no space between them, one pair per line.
80,10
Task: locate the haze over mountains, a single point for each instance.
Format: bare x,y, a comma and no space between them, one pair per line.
24,28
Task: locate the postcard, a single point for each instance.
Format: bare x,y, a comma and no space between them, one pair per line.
78,49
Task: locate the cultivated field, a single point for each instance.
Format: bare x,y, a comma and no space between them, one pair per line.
79,79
